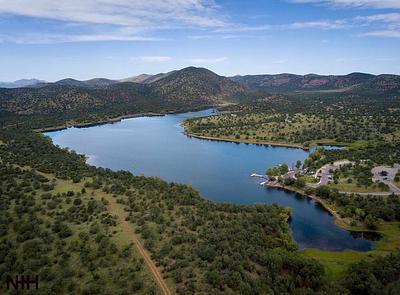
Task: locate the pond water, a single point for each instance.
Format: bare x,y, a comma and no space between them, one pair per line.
156,146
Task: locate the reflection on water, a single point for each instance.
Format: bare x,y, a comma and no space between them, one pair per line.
369,235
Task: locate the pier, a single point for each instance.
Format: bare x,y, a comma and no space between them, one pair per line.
259,176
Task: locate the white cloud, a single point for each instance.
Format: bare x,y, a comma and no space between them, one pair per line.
244,28
152,58
51,39
383,33
133,13
108,20
105,37
354,3
320,25
384,17
133,20
48,38
381,25
207,60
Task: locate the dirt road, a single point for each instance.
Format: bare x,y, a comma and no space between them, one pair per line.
127,228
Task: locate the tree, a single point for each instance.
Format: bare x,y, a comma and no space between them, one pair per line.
273,171
213,278
300,183
298,164
284,168
289,181
377,276
383,173
371,222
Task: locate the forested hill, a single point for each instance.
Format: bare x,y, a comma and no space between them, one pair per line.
189,88
354,82
20,83
73,101
199,82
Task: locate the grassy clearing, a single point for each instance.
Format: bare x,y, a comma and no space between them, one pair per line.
344,186
325,91
309,179
397,179
336,263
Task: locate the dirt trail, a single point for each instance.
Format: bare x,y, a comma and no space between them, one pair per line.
127,228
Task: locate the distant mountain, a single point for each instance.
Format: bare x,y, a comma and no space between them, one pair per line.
159,76
66,98
183,89
137,79
21,83
147,79
291,82
388,84
92,83
192,82
101,82
70,82
188,88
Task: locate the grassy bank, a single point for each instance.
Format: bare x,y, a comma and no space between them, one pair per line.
336,263
310,144
227,139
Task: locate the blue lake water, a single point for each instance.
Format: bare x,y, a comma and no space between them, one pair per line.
156,146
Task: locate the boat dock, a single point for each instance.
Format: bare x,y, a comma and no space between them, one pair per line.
259,176
265,178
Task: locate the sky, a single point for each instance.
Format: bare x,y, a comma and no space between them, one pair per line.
115,39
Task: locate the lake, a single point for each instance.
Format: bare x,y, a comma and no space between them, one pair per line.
156,146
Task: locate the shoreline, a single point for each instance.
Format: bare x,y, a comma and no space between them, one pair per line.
152,114
338,220
313,197
112,120
71,124
266,143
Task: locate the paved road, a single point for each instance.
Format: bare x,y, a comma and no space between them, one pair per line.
369,194
326,171
326,175
394,188
388,179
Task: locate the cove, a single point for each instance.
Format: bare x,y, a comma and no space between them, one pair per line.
156,146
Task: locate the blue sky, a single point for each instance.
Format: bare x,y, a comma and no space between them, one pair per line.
83,39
